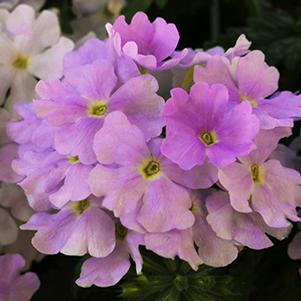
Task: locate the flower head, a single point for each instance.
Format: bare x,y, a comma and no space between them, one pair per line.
31,47
201,126
259,184
150,44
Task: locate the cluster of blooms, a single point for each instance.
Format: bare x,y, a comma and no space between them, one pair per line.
109,166
31,47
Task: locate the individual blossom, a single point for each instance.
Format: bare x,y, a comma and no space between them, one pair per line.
138,183
259,184
77,229
77,106
201,127
31,47
46,174
13,284
250,79
108,271
151,45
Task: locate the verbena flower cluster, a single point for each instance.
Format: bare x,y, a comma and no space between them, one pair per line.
110,163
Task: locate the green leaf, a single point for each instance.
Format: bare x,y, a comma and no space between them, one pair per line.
174,280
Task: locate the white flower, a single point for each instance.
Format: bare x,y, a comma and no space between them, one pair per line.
30,48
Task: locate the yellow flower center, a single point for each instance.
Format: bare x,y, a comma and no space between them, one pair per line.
143,70
81,206
252,102
208,138
97,109
257,174
150,169
73,159
21,62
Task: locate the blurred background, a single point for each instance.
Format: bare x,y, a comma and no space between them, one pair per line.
273,26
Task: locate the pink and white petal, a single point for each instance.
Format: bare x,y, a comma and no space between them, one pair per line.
213,250
81,135
240,48
266,142
75,187
118,141
49,64
167,46
53,231
107,271
22,90
94,81
165,206
174,243
134,240
100,232
255,78
122,189
263,203
198,177
231,225
181,146
217,70
46,31
21,20
142,105
237,179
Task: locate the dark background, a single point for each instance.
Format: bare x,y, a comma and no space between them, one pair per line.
274,27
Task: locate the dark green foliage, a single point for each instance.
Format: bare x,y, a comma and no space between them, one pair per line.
174,280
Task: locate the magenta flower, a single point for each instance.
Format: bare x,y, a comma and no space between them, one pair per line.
201,126
78,105
138,183
250,79
77,229
14,285
150,45
259,184
109,270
